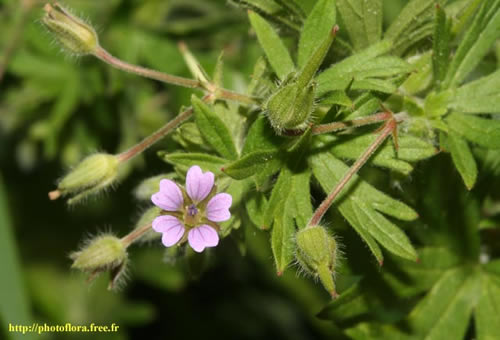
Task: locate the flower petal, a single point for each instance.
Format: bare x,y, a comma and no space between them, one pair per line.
198,184
218,208
203,236
169,197
171,227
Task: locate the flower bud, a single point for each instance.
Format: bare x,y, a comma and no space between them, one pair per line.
75,35
105,252
317,255
93,174
291,106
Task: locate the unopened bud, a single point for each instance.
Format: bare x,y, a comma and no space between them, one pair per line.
93,174
73,33
291,106
104,252
317,254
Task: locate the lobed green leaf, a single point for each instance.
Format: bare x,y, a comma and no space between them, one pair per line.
276,52
441,45
479,96
214,130
363,20
250,164
358,202
410,25
477,41
282,236
462,158
316,29
280,194
445,312
485,132
363,66
486,314
256,204
301,198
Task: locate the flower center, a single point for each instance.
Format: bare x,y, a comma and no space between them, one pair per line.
191,216
192,210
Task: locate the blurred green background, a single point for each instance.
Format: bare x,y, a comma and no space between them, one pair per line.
55,109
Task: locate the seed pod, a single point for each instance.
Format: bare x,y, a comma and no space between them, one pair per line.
317,255
291,106
73,33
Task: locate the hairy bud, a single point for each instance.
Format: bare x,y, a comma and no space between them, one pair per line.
103,253
291,106
93,174
317,255
74,34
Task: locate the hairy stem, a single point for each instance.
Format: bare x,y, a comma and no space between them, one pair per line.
388,129
159,134
135,234
337,126
220,93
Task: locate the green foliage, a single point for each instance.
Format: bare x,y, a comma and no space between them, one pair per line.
275,50
15,306
316,28
363,21
213,129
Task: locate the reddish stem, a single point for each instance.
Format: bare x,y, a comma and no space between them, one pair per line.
135,234
336,126
387,130
156,136
221,93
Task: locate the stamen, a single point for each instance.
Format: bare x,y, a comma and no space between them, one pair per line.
192,210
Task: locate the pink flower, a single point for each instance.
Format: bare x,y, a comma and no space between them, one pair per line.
195,209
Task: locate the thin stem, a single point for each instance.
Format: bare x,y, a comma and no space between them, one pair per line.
134,235
336,126
221,93
237,97
389,127
159,134
145,72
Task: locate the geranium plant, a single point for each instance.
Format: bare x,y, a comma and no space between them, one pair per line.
325,136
